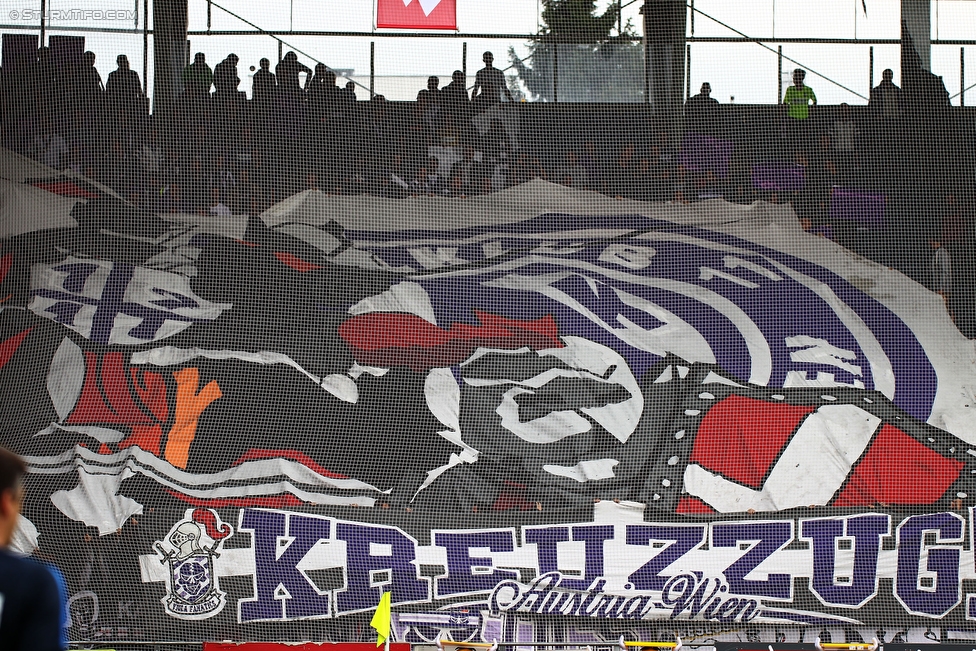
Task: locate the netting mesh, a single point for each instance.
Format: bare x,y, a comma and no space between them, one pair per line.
564,322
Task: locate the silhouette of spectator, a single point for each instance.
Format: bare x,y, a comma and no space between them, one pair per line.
429,102
123,83
86,96
886,98
798,100
322,90
225,79
454,97
432,92
701,112
264,84
89,82
287,72
348,94
197,77
489,84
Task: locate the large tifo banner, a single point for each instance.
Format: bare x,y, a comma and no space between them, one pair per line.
523,423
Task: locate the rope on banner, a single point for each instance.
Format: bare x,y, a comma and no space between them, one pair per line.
450,644
847,646
625,645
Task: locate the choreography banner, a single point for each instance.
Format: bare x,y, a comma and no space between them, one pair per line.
545,423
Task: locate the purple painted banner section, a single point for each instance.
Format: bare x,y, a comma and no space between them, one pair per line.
701,153
858,205
786,177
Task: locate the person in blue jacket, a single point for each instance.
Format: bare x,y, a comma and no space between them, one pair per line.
31,603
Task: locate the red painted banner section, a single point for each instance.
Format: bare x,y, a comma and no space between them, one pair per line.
307,646
416,14
389,340
741,437
897,469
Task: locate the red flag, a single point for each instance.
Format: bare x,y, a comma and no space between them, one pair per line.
416,14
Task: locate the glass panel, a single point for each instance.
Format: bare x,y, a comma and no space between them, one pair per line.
744,71
882,19
403,64
953,20
887,57
805,19
754,18
945,63
604,72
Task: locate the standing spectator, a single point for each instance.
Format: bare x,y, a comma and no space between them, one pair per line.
322,91
32,614
89,82
701,112
348,94
88,102
123,83
798,100
124,93
454,97
287,72
432,92
886,107
843,137
886,98
489,85
197,77
225,79
429,103
264,84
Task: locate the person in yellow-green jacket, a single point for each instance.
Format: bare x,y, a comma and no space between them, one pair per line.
798,100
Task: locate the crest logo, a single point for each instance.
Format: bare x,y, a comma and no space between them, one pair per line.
189,550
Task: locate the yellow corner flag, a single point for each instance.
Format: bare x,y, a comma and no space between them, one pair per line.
381,619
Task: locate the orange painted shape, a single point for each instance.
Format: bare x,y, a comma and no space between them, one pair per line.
189,406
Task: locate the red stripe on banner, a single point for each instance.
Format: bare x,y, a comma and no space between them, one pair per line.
741,437
512,496
270,502
66,189
10,346
693,506
307,646
897,469
302,458
388,340
295,262
410,14
6,262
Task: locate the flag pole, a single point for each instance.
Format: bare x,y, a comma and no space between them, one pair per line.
390,632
